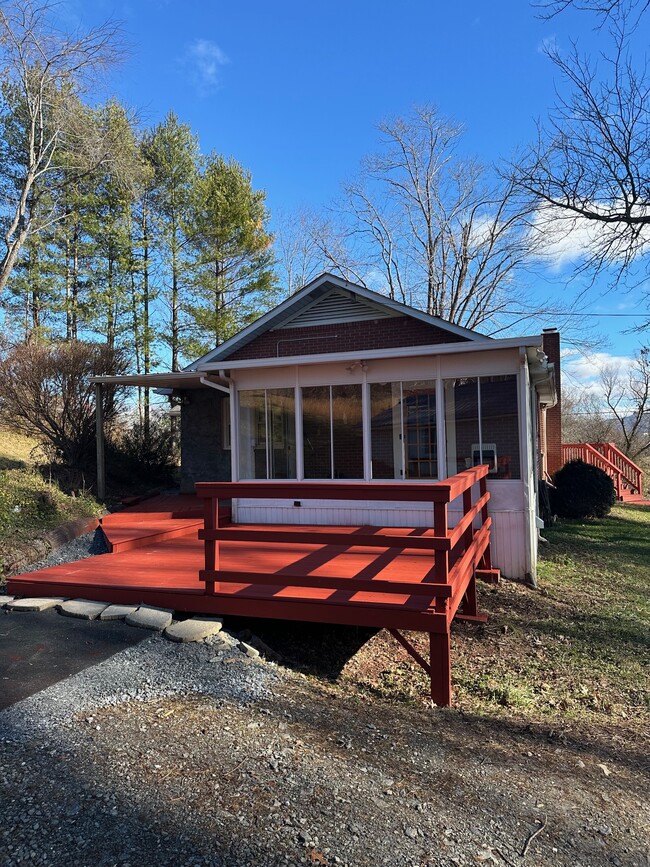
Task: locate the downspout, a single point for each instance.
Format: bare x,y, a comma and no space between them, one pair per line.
524,439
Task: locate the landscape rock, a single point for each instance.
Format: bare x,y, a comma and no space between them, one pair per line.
35,604
5,600
147,617
250,651
194,629
84,609
117,612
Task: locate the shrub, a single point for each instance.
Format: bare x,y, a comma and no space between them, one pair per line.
582,491
146,454
46,392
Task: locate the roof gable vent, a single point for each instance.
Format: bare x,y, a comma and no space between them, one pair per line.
336,307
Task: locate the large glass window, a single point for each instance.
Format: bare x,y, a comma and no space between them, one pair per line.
482,425
403,430
332,428
267,434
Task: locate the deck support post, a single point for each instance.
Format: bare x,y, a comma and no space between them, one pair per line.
99,431
440,667
211,522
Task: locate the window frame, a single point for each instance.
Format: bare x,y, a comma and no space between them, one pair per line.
435,375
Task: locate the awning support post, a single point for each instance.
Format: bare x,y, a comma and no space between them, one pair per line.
99,421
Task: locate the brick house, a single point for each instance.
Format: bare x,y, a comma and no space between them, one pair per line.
341,383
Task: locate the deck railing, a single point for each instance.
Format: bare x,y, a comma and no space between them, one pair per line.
456,552
459,555
626,475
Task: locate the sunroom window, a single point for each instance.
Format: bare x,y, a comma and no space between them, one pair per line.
482,425
403,430
267,434
332,431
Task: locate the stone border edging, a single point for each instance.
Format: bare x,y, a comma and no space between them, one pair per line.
21,555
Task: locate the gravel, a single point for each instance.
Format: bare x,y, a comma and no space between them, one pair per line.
179,755
84,546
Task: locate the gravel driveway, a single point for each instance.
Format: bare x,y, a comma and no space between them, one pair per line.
189,755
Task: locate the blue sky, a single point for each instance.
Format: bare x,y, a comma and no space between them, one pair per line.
293,90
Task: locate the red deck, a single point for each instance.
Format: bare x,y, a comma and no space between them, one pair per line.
167,572
397,578
153,520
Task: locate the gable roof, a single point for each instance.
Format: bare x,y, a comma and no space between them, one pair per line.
329,299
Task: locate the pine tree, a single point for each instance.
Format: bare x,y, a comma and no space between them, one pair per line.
172,151
233,279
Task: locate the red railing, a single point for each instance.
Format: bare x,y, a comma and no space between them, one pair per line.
627,477
459,554
455,551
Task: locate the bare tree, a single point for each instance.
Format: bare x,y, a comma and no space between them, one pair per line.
584,419
628,398
604,9
298,257
432,225
589,170
43,72
46,392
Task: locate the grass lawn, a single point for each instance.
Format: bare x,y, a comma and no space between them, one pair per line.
29,504
576,650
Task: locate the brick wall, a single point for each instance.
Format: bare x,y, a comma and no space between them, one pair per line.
554,414
345,337
202,457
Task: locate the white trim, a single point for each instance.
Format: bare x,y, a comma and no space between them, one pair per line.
369,354
524,461
300,451
277,312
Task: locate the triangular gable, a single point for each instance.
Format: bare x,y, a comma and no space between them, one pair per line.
333,297
337,305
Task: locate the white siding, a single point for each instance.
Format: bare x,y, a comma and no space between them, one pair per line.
508,516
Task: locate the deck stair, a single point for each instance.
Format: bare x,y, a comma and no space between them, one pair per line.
626,475
155,520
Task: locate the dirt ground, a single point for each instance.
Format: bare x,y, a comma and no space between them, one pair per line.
310,775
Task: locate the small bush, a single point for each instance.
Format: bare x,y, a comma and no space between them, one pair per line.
149,456
582,491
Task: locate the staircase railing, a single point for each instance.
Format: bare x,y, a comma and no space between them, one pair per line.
631,473
626,475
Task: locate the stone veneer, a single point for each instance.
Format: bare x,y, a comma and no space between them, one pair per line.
202,457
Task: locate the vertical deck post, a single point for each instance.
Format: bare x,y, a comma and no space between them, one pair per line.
441,558
440,668
211,522
99,431
487,556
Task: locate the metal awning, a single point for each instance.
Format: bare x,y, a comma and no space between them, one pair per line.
175,380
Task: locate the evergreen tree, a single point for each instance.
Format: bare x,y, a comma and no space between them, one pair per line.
172,151
233,278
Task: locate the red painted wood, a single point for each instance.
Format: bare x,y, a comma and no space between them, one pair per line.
440,667
154,520
329,583
442,492
371,577
345,536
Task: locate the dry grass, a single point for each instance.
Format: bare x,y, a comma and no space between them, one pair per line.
30,504
573,651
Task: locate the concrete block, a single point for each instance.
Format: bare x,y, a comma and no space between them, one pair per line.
117,612
194,629
35,604
84,609
5,600
150,618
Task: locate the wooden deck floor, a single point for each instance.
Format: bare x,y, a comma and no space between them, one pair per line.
156,557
